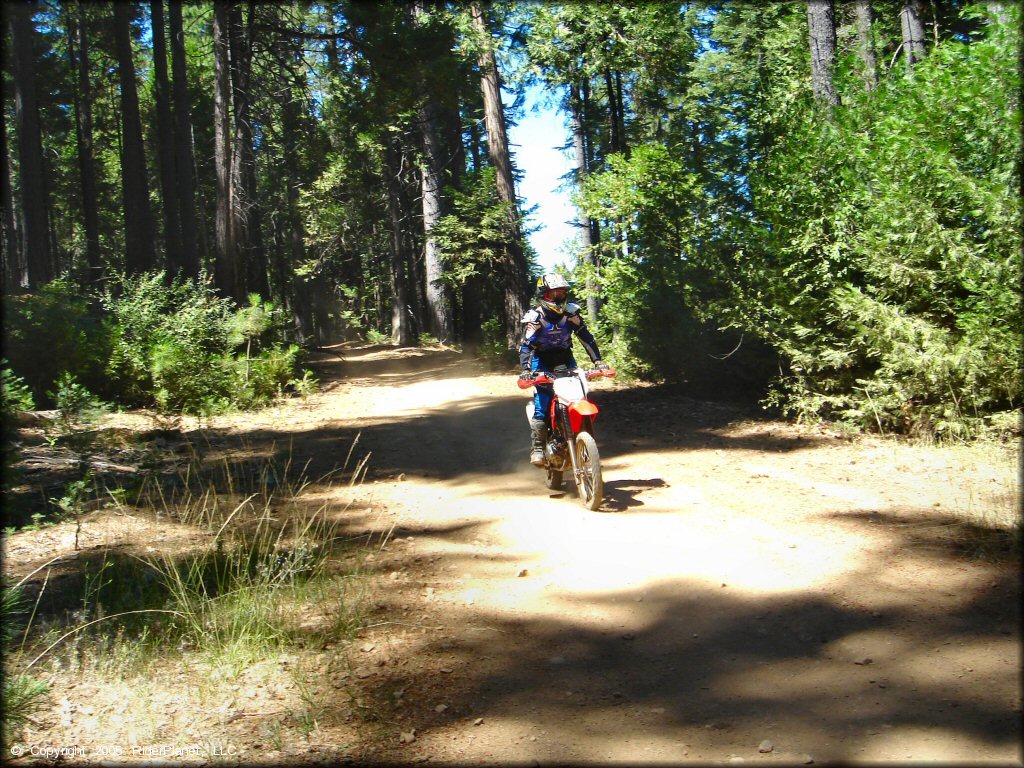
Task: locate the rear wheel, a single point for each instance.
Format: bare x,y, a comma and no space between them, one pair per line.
553,479
589,484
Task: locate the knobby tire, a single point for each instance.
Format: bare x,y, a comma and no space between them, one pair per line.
589,484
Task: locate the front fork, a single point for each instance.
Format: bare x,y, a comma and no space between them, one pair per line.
570,439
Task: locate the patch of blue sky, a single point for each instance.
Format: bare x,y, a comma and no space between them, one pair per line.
536,142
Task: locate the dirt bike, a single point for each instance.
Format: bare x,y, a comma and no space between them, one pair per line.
571,444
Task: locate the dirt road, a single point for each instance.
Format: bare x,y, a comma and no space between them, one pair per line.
749,590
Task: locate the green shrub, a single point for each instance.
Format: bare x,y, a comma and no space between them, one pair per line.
267,374
22,695
188,380
14,393
373,336
51,331
76,404
176,345
159,328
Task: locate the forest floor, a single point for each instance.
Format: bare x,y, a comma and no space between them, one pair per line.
750,591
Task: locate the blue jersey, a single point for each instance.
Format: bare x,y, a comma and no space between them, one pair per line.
547,338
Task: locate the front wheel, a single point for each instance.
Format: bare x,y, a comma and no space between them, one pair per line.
589,484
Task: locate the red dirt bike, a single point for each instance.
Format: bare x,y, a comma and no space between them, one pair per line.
571,444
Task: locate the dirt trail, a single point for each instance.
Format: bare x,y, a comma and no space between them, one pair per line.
749,590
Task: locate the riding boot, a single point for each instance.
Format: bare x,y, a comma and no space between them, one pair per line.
538,436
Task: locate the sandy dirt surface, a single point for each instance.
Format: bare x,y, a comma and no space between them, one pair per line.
749,590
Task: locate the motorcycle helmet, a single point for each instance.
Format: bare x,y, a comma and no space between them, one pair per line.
553,292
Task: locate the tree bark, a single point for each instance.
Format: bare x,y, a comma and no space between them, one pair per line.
138,218
245,204
432,177
821,26
401,329
912,27
14,274
226,271
165,137
865,44
83,132
183,152
35,224
514,261
295,252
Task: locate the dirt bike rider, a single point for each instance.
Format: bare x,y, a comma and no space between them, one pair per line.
547,343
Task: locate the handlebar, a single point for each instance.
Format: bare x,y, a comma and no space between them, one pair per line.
546,378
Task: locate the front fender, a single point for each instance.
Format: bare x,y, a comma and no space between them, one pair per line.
578,410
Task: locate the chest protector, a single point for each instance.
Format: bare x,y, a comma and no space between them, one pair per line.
556,335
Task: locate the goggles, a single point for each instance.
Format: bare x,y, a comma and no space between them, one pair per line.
556,294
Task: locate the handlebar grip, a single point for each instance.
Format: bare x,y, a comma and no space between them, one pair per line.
539,379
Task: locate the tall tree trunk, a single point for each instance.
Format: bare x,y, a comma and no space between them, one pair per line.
245,205
912,27
295,251
821,25
226,267
586,227
514,266
432,176
401,330
865,44
138,218
14,274
35,224
183,153
165,137
83,132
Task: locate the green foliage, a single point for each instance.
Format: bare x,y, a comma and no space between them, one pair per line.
373,336
305,386
23,695
175,344
185,349
166,337
14,393
493,346
52,331
269,374
475,235
876,248
890,272
76,404
670,279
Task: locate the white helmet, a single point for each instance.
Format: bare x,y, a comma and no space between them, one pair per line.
553,292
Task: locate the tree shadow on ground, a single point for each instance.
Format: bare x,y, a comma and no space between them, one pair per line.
491,436
928,531
477,436
719,670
